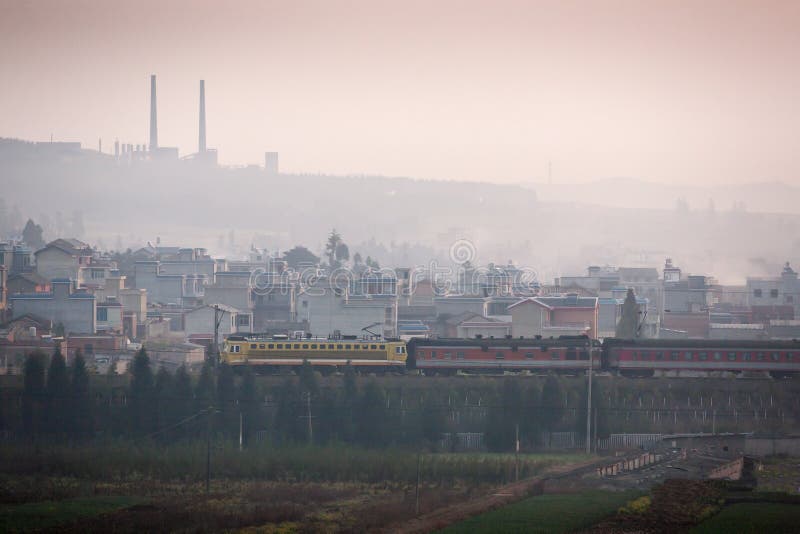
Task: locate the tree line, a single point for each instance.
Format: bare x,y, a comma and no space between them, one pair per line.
163,406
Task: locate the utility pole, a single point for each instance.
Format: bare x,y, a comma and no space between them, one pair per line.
208,450
589,403
215,348
516,454
416,489
240,431
308,414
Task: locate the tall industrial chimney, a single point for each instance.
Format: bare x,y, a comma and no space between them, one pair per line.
202,142
153,116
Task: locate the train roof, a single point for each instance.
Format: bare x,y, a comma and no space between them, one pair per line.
561,341
704,343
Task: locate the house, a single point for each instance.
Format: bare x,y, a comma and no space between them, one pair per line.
694,324
23,335
479,325
75,310
109,316
232,288
783,290
161,288
63,258
199,321
16,257
555,316
173,355
3,291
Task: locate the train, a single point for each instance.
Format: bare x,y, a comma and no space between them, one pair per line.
564,354
627,357
274,353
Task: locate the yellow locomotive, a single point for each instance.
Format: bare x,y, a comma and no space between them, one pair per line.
273,352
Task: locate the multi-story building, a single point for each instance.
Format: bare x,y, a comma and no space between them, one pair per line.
783,290
75,310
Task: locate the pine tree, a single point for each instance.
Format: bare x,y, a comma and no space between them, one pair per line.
250,404
164,398
57,392
204,391
308,379
349,402
226,401
33,394
551,408
182,400
142,394
82,418
371,416
628,325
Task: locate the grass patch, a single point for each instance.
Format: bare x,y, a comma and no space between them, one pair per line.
753,517
47,514
548,513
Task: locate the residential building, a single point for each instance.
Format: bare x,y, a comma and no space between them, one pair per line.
232,288
27,283
199,322
554,316
75,309
783,290
63,258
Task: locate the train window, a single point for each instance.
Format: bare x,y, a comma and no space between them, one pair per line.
731,356
585,355
297,345
383,347
499,356
235,348
253,346
687,356
659,355
339,347
348,347
313,345
760,356
448,355
397,350
460,355
674,355
776,356
330,346
356,347
717,356
280,345
529,355
271,346
373,347
554,355
572,354
789,356
747,356
703,355
262,346
433,354
421,355
305,346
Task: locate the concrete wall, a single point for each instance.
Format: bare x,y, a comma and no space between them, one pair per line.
55,263
767,446
77,312
528,320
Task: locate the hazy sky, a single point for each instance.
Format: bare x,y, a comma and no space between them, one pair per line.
683,91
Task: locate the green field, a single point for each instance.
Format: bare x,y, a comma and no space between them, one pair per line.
753,517
40,515
548,513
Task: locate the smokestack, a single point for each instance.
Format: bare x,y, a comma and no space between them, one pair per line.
153,117
202,142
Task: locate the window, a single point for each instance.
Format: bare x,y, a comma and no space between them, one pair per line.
659,355
731,356
88,348
383,347
687,356
459,355
585,355
102,314
271,346
262,346
373,347
235,348
305,346
243,320
789,356
760,356
554,355
305,304
529,355
448,355
703,355
717,356
747,356
397,350
499,356
433,354
313,345
280,345
330,346
339,347
356,347
773,293
348,347
757,293
297,345
674,355
776,356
